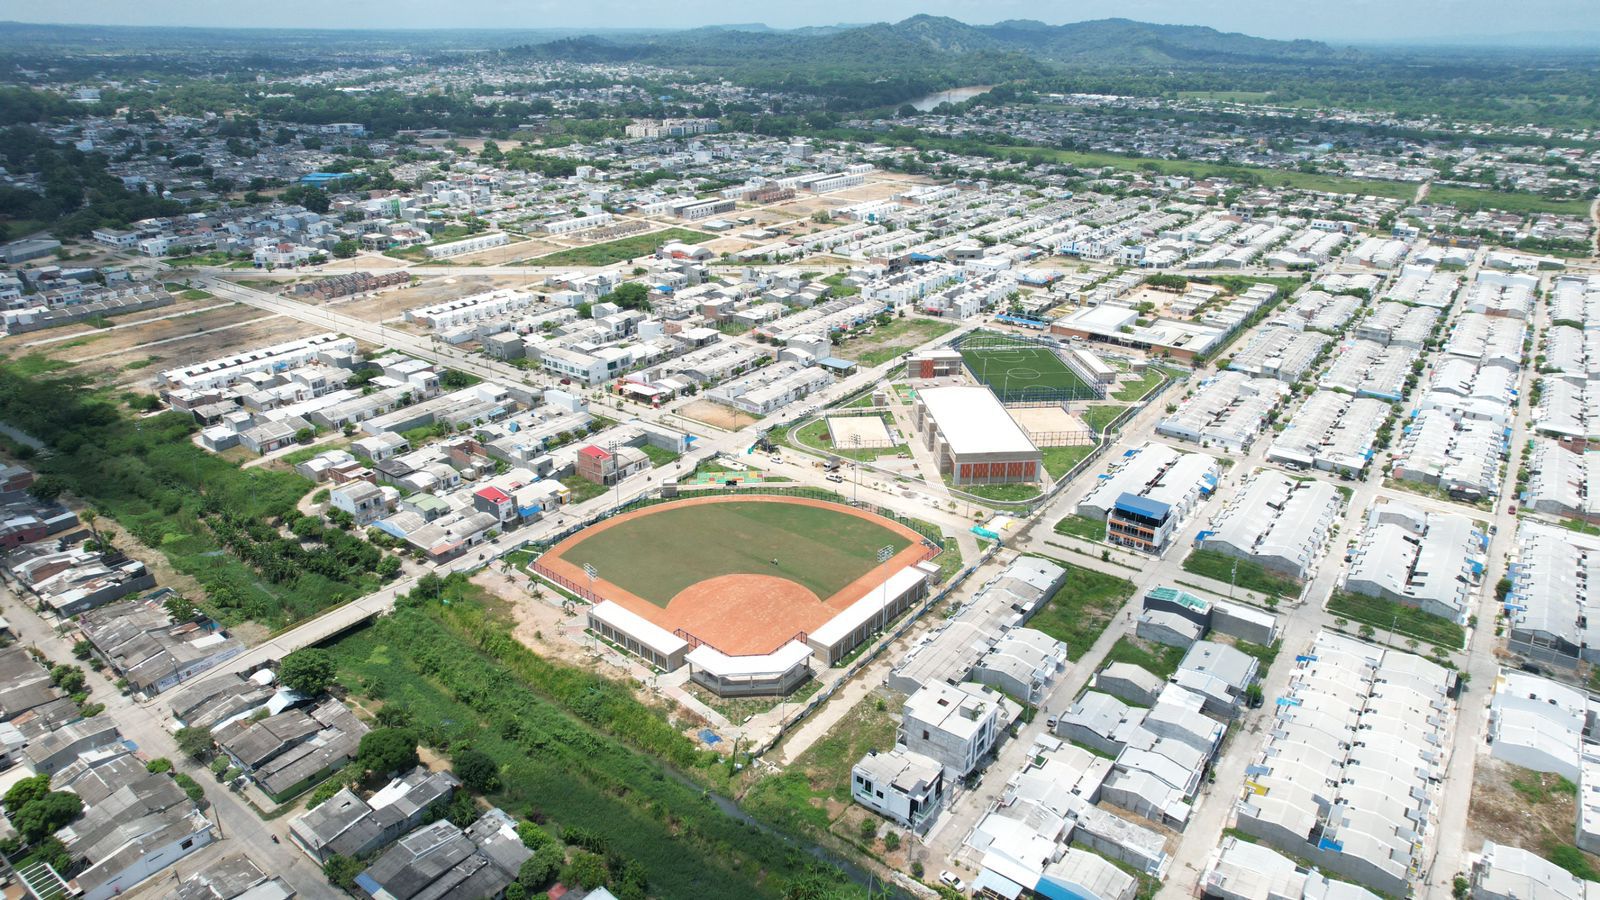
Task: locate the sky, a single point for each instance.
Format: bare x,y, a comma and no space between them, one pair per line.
1343,20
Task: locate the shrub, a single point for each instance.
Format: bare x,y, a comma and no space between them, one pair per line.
324,792
158,765
190,787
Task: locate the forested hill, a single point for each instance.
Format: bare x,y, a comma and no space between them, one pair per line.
879,64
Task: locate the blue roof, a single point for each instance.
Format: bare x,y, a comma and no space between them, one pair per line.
1143,506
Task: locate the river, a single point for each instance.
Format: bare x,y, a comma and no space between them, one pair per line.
954,95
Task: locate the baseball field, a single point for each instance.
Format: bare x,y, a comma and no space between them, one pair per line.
742,573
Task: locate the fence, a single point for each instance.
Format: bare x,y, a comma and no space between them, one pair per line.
1087,388
885,640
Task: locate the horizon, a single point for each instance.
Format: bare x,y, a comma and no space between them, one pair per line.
1551,23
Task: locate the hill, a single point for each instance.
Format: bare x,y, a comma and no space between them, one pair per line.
886,63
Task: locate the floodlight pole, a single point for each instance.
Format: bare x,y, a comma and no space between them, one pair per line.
885,553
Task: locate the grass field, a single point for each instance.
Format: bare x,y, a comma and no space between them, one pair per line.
1082,527
1099,418
1015,373
1252,575
1406,621
657,555
621,249
889,341
1058,461
1134,390
1159,660
1082,607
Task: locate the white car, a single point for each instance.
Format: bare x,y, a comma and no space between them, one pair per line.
950,879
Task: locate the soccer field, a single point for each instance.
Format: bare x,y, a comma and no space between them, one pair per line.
1019,373
660,551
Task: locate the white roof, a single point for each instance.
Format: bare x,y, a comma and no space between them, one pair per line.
639,628
972,420
780,661
863,610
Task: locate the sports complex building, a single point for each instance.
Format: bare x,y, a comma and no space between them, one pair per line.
973,437
747,590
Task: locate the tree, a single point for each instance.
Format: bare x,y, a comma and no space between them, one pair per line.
68,678
388,567
586,869
158,765
307,671
346,249
26,791
46,815
477,771
341,871
540,869
631,295
386,750
195,742
82,650
47,488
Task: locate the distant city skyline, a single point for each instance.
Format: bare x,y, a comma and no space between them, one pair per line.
1358,21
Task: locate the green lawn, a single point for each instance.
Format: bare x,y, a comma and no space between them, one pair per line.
1099,418
1159,660
621,249
1000,493
815,437
1082,607
1058,461
1134,391
1252,576
1406,621
660,456
1082,527
657,555
1470,200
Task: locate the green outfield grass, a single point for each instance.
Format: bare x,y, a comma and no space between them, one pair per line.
658,554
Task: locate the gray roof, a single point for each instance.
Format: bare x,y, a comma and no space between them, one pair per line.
1231,665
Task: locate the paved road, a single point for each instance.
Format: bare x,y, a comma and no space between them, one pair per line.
149,730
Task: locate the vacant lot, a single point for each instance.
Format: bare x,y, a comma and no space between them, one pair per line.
1251,575
620,250
1522,808
889,341
718,415
1082,607
1387,615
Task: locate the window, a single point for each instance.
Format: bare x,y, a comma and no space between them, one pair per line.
924,734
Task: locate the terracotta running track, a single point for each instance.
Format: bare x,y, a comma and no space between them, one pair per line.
739,614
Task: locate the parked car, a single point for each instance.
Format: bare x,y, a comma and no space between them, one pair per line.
950,880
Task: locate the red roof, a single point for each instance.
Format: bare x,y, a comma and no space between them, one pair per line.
594,452
494,495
